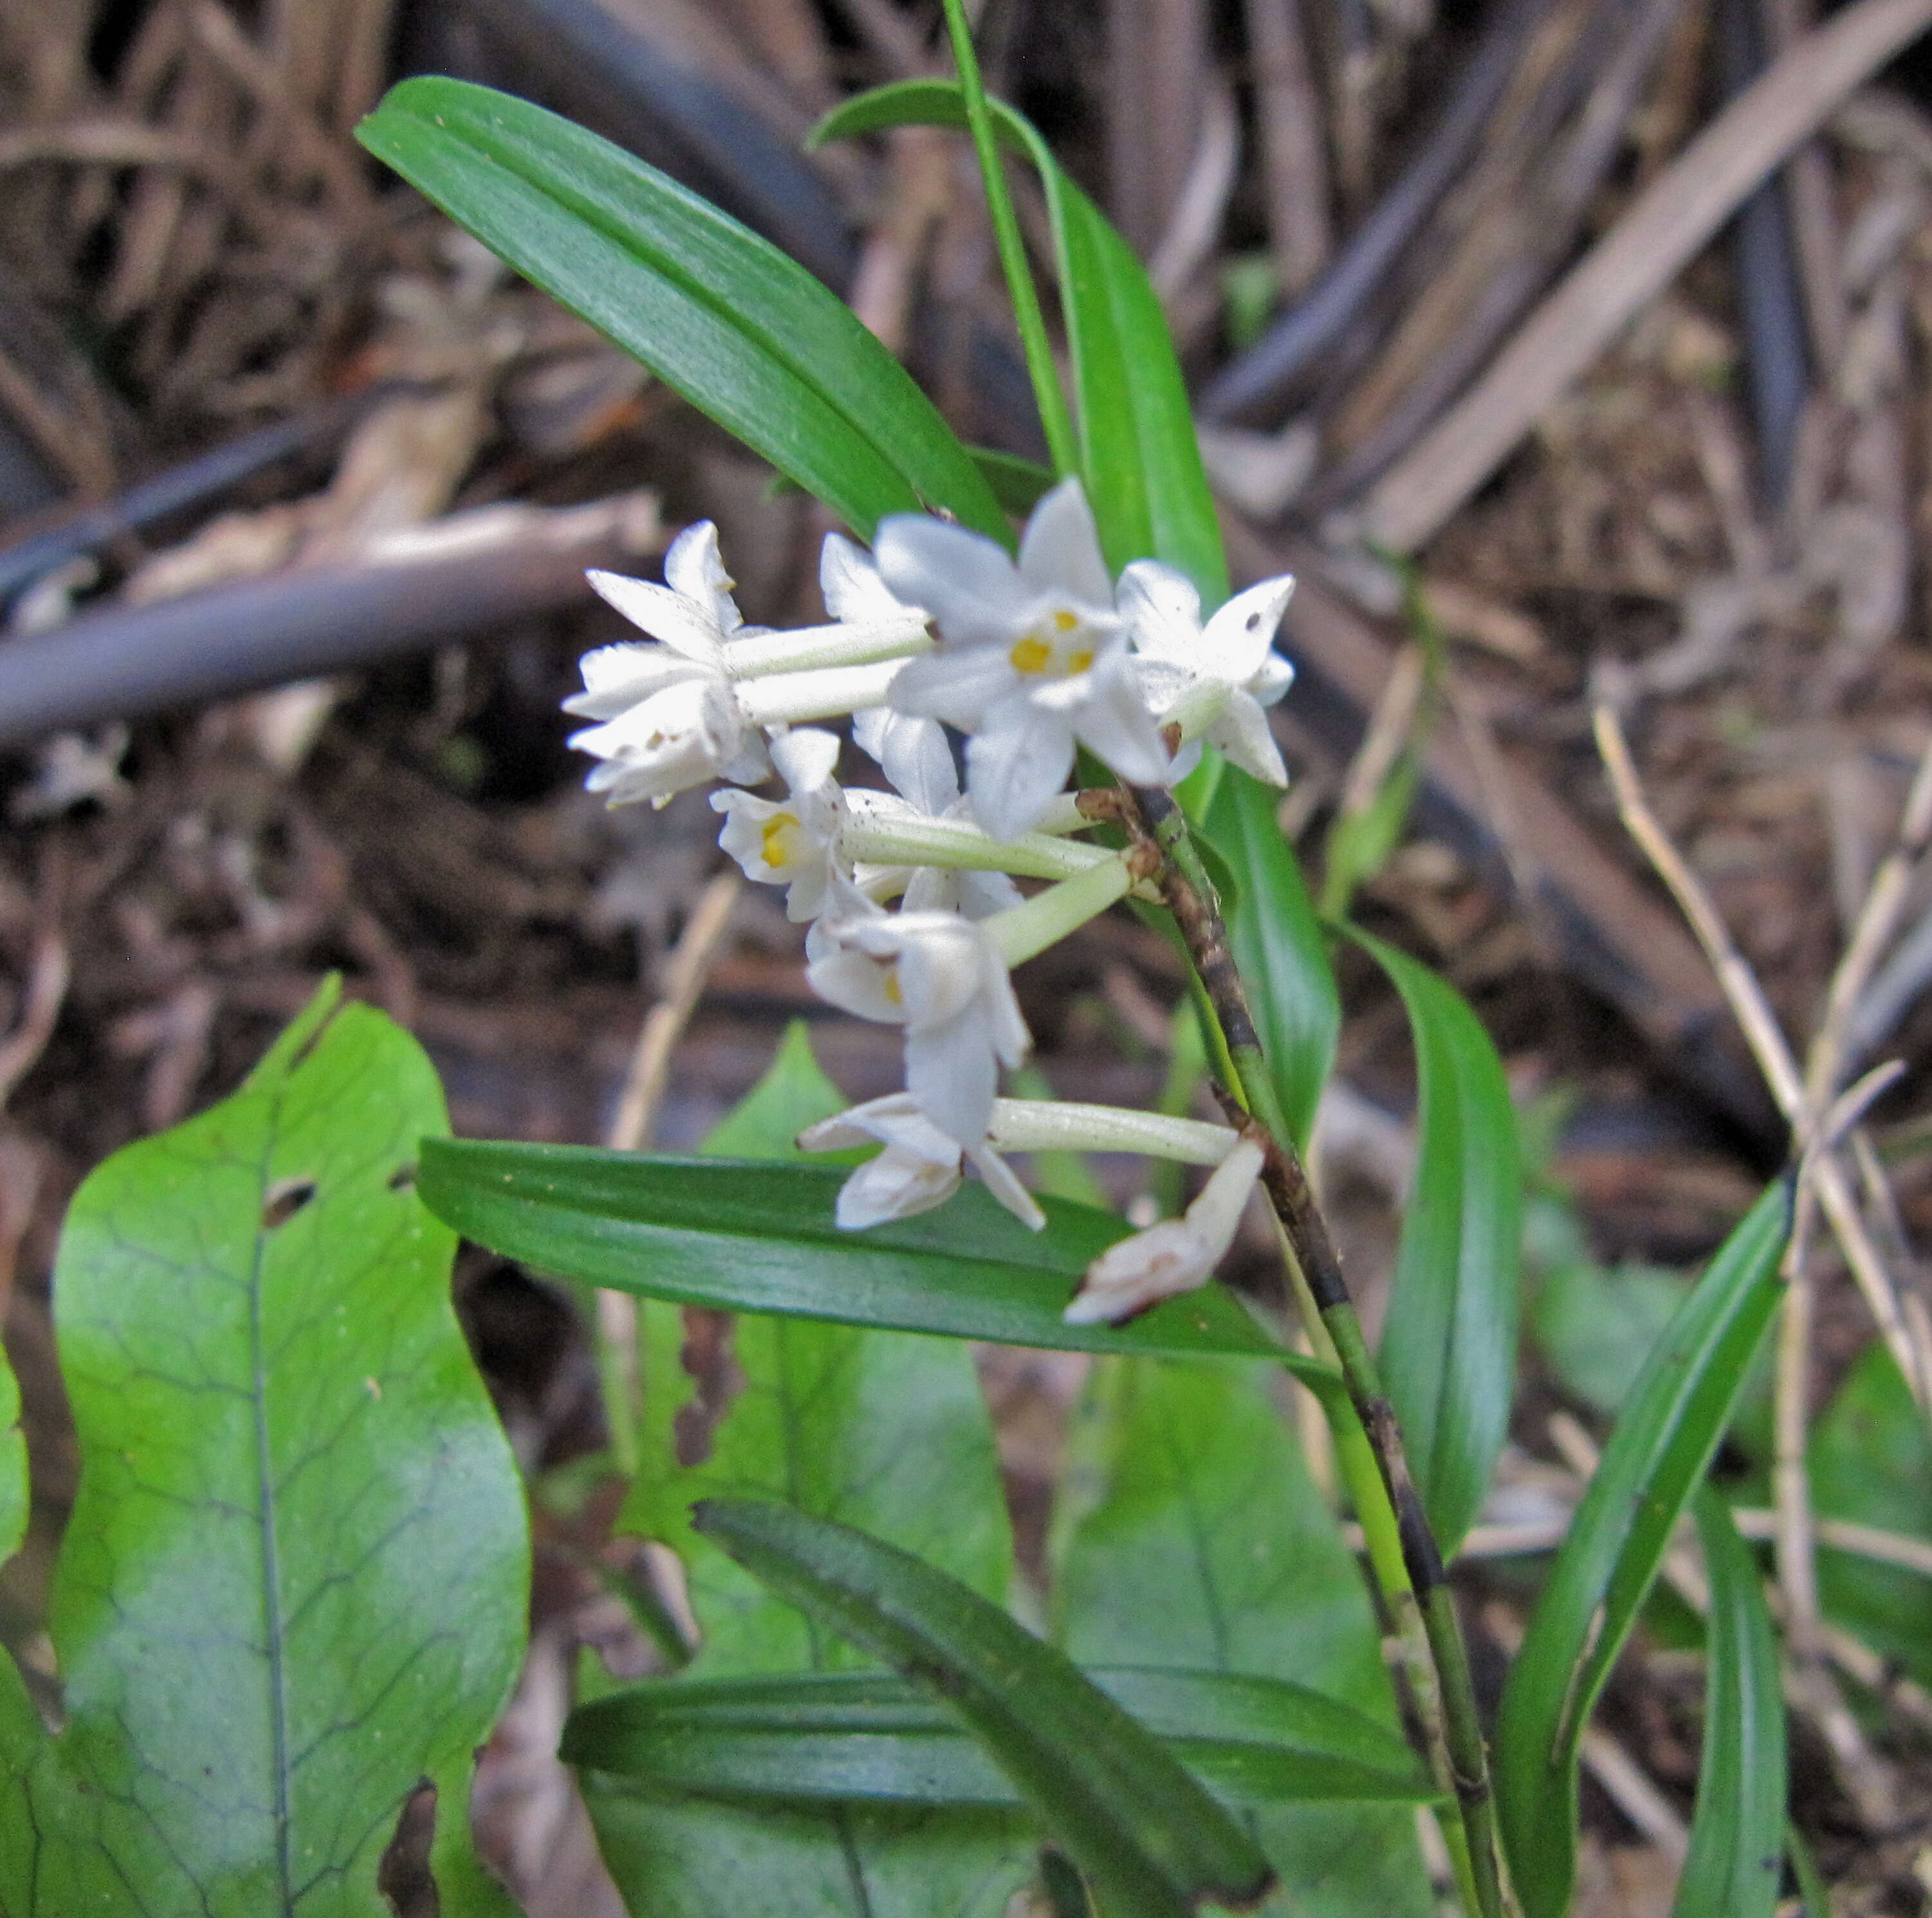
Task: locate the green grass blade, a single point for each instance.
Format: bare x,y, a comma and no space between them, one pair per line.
760,1238
1736,1857
845,1737
1149,1837
1663,1440
742,332
1448,1354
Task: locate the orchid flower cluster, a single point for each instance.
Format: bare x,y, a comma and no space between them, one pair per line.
908,895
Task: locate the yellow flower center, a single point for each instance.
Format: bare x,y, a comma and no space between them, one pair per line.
1044,649
780,838
893,995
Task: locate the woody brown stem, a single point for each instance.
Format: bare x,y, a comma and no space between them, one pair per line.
1151,814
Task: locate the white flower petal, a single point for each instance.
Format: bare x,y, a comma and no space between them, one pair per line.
965,580
899,1184
855,983
1113,721
1003,1183
1139,1272
1060,549
685,625
1162,611
678,738
958,685
1016,764
1241,732
1274,679
620,676
1177,1255
850,584
915,753
694,569
952,1071
805,757
1239,638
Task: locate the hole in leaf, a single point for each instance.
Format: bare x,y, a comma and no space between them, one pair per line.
404,1876
285,1198
403,1179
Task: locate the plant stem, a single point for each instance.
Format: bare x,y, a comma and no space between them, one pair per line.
1054,419
1190,896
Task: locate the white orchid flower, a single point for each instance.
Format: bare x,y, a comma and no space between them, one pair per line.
1031,656
691,706
1215,680
917,758
942,977
1177,1255
793,842
919,1169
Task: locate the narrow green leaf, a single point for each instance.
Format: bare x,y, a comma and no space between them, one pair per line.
1141,460
1736,1857
1277,944
1148,1837
12,1464
1870,1462
849,1737
745,335
295,1580
1657,1451
1448,1355
1019,485
1187,1532
760,1238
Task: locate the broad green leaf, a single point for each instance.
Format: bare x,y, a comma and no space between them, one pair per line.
876,1429
294,1582
676,1855
885,1430
1871,1462
1141,458
759,1238
1594,1323
794,1093
1188,1533
1149,1838
1736,1857
852,1737
1657,1451
745,334
1277,944
1448,1354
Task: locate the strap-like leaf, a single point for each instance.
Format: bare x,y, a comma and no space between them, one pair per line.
745,334
1737,1835
1277,944
1448,1355
760,1238
1657,1451
1140,459
838,1737
1150,1839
